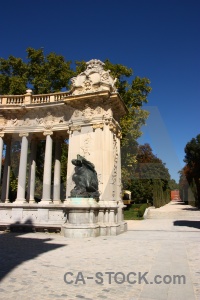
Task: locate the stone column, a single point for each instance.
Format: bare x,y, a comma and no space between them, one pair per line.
1,151
57,169
46,193
21,189
32,170
6,174
74,147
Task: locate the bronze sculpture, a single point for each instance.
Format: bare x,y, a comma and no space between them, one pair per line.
85,178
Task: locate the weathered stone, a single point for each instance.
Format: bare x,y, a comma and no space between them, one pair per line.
88,116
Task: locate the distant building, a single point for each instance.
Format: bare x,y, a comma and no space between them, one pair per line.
175,195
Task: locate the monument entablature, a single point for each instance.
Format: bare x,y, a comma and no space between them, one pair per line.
88,117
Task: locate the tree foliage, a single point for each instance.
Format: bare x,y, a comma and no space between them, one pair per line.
13,76
51,73
48,74
45,74
190,174
150,180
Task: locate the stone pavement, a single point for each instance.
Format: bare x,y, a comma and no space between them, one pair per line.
167,244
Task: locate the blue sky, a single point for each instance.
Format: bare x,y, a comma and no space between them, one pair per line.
158,39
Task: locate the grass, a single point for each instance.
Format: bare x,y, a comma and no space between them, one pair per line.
135,211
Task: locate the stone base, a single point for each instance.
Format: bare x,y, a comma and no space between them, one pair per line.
80,231
32,216
77,217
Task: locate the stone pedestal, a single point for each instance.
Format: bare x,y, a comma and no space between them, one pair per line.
82,218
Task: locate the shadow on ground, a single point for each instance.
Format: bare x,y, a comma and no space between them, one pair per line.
186,208
194,224
191,208
16,249
177,202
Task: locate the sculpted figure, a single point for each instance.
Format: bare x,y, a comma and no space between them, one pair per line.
85,178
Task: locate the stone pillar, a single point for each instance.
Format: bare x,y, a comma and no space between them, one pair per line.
57,169
21,189
107,170
46,193
74,148
32,170
1,151
6,174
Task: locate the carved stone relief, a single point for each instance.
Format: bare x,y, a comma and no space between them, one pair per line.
86,145
114,173
46,119
93,79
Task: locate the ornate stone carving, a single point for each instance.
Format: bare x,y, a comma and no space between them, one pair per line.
12,122
76,113
119,134
98,110
75,128
108,115
114,173
115,156
98,125
52,118
48,127
114,127
48,120
27,122
88,113
86,145
93,79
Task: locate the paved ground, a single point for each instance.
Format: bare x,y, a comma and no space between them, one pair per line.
33,265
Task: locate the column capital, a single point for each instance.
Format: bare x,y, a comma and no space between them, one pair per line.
47,132
2,134
22,134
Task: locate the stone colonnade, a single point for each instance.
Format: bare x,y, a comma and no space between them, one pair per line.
89,114
24,196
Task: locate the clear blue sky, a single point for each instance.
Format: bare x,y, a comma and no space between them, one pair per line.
158,39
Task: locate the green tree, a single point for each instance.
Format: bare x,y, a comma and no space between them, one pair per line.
190,174
150,178
173,184
13,76
45,74
134,92
48,74
51,73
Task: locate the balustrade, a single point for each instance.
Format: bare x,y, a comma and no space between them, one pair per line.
15,100
40,99
28,98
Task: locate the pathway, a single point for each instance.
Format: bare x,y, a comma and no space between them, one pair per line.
167,244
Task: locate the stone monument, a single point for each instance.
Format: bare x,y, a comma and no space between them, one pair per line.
88,116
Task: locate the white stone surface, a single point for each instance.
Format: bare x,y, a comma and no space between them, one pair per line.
88,116
46,192
22,170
